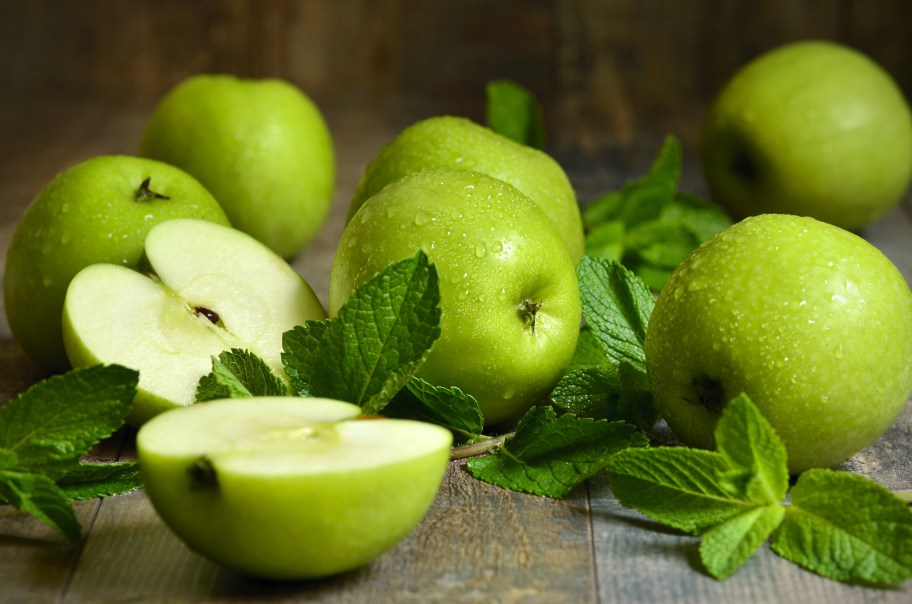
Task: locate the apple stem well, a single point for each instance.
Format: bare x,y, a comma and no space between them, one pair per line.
146,194
528,311
708,393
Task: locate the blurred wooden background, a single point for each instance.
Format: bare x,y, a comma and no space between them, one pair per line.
608,71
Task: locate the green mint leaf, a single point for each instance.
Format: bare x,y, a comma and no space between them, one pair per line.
90,480
588,353
616,305
514,112
758,468
8,459
846,527
676,486
607,241
549,455
730,544
37,495
448,407
368,352
640,200
61,418
611,392
239,373
704,219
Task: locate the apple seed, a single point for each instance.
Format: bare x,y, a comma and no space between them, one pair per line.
209,314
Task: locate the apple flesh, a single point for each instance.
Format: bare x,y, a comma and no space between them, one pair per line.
509,298
99,210
458,143
261,146
812,322
288,487
813,129
211,288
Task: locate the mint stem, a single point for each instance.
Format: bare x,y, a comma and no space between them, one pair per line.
479,448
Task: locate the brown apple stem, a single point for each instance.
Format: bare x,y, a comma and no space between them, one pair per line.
479,448
145,193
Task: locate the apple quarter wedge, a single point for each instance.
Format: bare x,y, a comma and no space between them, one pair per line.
290,487
211,288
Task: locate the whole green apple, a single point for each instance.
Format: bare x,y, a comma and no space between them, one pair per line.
210,288
813,129
99,210
262,148
453,142
812,322
509,298
290,488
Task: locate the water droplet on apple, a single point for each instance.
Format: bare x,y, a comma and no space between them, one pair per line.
422,218
480,250
496,247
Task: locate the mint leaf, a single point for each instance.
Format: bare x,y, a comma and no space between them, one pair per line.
37,495
367,353
758,469
616,305
448,407
848,528
61,418
676,486
90,480
8,459
611,392
704,219
514,112
729,545
239,373
549,455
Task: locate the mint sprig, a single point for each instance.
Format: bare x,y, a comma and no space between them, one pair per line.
368,352
515,113
46,430
548,454
837,524
449,407
239,373
648,225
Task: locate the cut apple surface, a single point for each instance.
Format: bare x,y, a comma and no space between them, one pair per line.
211,288
289,487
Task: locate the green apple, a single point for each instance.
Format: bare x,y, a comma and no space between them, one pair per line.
211,288
812,322
453,142
509,298
98,210
261,146
813,129
290,488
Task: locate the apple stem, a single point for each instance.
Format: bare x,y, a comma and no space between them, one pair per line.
479,448
145,193
528,310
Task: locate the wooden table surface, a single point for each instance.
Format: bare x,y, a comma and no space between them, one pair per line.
478,543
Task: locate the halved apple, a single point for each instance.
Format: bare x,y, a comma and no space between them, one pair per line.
211,288
290,487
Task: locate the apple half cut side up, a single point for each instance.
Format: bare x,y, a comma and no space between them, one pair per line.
288,487
211,288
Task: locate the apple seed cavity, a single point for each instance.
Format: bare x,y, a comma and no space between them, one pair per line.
146,194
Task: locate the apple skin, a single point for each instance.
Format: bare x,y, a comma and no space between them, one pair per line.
494,250
458,143
112,314
812,322
813,129
261,147
288,502
88,213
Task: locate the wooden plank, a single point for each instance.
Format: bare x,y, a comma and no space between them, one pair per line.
478,543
